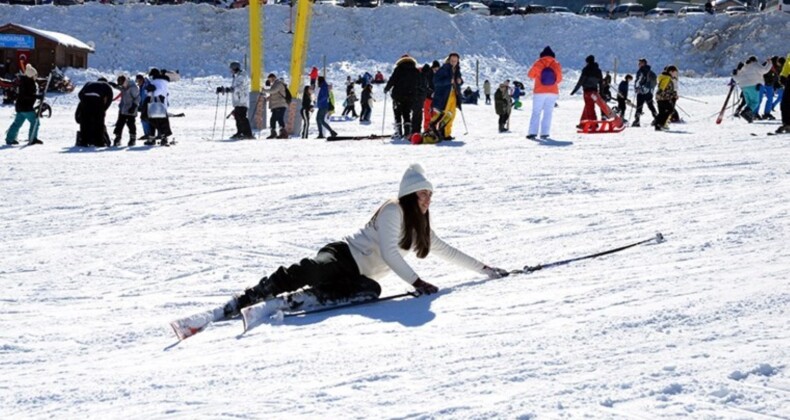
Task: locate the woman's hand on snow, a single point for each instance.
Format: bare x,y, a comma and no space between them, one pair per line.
495,272
424,288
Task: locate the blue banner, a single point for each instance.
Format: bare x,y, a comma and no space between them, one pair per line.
17,42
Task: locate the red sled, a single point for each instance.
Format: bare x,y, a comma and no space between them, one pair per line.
613,125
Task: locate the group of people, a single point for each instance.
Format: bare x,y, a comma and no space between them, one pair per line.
146,95
766,81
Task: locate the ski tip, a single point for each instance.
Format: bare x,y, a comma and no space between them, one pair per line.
183,332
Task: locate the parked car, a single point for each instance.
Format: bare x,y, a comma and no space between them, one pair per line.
500,7
67,2
473,7
442,5
330,2
690,11
560,10
628,10
530,9
659,12
736,10
597,10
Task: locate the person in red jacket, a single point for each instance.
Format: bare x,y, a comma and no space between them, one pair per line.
547,74
313,77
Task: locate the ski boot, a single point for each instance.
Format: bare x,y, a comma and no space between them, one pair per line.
132,141
532,136
163,141
35,141
768,117
272,135
116,142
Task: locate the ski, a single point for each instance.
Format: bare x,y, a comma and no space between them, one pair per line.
369,137
275,310
188,326
720,118
658,238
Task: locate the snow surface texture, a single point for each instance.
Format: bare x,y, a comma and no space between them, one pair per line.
138,36
103,248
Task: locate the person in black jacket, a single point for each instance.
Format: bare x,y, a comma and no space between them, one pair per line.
644,84
365,99
590,83
25,101
403,84
95,99
423,89
307,106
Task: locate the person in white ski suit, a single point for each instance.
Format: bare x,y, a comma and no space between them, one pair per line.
351,267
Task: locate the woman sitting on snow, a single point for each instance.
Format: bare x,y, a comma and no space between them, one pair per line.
351,267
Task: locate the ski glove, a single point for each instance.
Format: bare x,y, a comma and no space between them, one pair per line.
495,272
424,288
220,89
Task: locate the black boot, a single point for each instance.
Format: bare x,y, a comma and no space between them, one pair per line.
273,134
132,140
117,142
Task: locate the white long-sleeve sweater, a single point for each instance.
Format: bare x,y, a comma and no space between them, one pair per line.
375,247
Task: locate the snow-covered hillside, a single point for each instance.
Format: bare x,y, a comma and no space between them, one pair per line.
136,37
102,248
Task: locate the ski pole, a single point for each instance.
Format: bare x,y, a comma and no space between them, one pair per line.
226,118
527,269
464,120
216,111
692,99
682,110
384,117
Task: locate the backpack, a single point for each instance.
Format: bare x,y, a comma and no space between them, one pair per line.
652,80
548,77
288,96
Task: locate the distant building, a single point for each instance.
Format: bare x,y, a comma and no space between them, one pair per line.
43,49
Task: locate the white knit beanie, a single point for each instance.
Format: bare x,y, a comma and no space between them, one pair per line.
414,180
30,71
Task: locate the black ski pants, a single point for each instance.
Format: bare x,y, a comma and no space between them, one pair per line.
349,109
93,132
332,274
129,122
278,117
403,114
242,122
305,122
503,121
665,110
645,99
416,115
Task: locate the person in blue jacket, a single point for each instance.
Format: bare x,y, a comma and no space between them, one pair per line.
322,104
446,96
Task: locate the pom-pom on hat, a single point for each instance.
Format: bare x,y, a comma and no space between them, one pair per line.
414,180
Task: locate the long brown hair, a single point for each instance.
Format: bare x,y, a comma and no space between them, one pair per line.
416,226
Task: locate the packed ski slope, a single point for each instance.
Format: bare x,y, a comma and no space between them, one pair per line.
102,248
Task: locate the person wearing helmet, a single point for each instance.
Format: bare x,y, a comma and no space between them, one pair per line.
240,88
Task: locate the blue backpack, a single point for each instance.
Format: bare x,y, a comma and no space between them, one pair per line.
548,77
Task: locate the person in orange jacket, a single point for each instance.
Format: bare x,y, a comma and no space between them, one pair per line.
547,74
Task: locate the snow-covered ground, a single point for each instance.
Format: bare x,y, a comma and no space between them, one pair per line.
102,248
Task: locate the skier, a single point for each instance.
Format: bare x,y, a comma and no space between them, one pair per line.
366,100
590,83
518,91
322,103
158,89
770,79
487,91
25,102
403,84
142,83
352,267
95,99
351,99
622,95
278,104
420,96
307,106
127,110
447,87
428,105
666,96
749,76
503,104
547,74
784,77
313,77
644,84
